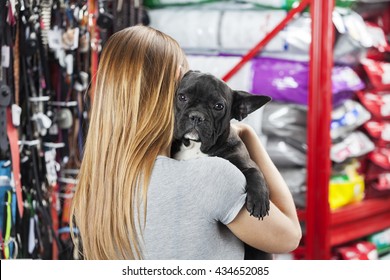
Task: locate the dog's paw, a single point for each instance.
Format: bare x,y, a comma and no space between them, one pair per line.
257,203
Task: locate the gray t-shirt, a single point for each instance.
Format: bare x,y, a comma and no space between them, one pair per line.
188,205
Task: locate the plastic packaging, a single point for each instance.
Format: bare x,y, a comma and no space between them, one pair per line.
378,73
376,102
220,65
381,240
352,37
241,30
380,46
346,187
378,173
378,37
162,3
286,152
193,29
347,117
289,4
228,27
287,81
355,144
363,250
295,178
377,181
378,130
213,28
381,157
285,120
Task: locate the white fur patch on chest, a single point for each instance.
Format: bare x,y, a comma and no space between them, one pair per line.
190,152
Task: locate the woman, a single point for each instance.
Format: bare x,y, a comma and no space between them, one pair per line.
133,201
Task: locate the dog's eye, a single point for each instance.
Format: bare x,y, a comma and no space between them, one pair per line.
219,106
181,97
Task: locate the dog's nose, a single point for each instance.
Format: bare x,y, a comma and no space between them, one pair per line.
196,117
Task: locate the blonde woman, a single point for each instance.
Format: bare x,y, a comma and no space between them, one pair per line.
133,201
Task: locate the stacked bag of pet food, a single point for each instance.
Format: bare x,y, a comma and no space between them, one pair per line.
360,121
373,247
216,34
381,240
376,99
285,78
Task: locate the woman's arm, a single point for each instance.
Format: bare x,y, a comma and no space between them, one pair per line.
280,231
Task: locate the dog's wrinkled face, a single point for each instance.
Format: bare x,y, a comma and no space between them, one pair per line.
205,105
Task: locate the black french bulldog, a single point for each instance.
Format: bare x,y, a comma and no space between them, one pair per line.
204,107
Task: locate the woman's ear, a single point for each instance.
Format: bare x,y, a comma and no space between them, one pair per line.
179,73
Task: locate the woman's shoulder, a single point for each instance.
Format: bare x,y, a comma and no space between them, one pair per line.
218,163
215,166
218,169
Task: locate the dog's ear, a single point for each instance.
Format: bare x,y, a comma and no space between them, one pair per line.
190,71
245,103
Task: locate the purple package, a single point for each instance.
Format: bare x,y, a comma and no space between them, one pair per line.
287,81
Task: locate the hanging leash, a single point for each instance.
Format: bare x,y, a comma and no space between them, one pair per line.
8,224
11,136
42,205
95,44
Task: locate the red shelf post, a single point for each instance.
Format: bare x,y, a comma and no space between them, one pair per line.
318,138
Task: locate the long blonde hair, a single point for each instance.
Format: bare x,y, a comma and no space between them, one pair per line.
131,123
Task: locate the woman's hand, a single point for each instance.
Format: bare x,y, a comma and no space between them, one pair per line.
242,129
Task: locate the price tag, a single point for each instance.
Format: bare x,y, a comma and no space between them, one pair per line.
54,38
51,169
16,113
5,56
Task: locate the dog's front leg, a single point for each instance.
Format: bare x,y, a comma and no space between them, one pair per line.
257,199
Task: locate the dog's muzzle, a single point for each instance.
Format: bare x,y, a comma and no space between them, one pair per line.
196,118
192,135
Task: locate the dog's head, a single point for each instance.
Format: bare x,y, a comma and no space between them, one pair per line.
205,105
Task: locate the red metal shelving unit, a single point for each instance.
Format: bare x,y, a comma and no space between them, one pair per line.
324,228
318,137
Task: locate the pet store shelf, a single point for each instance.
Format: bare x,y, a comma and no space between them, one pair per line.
324,228
351,222
358,220
355,211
